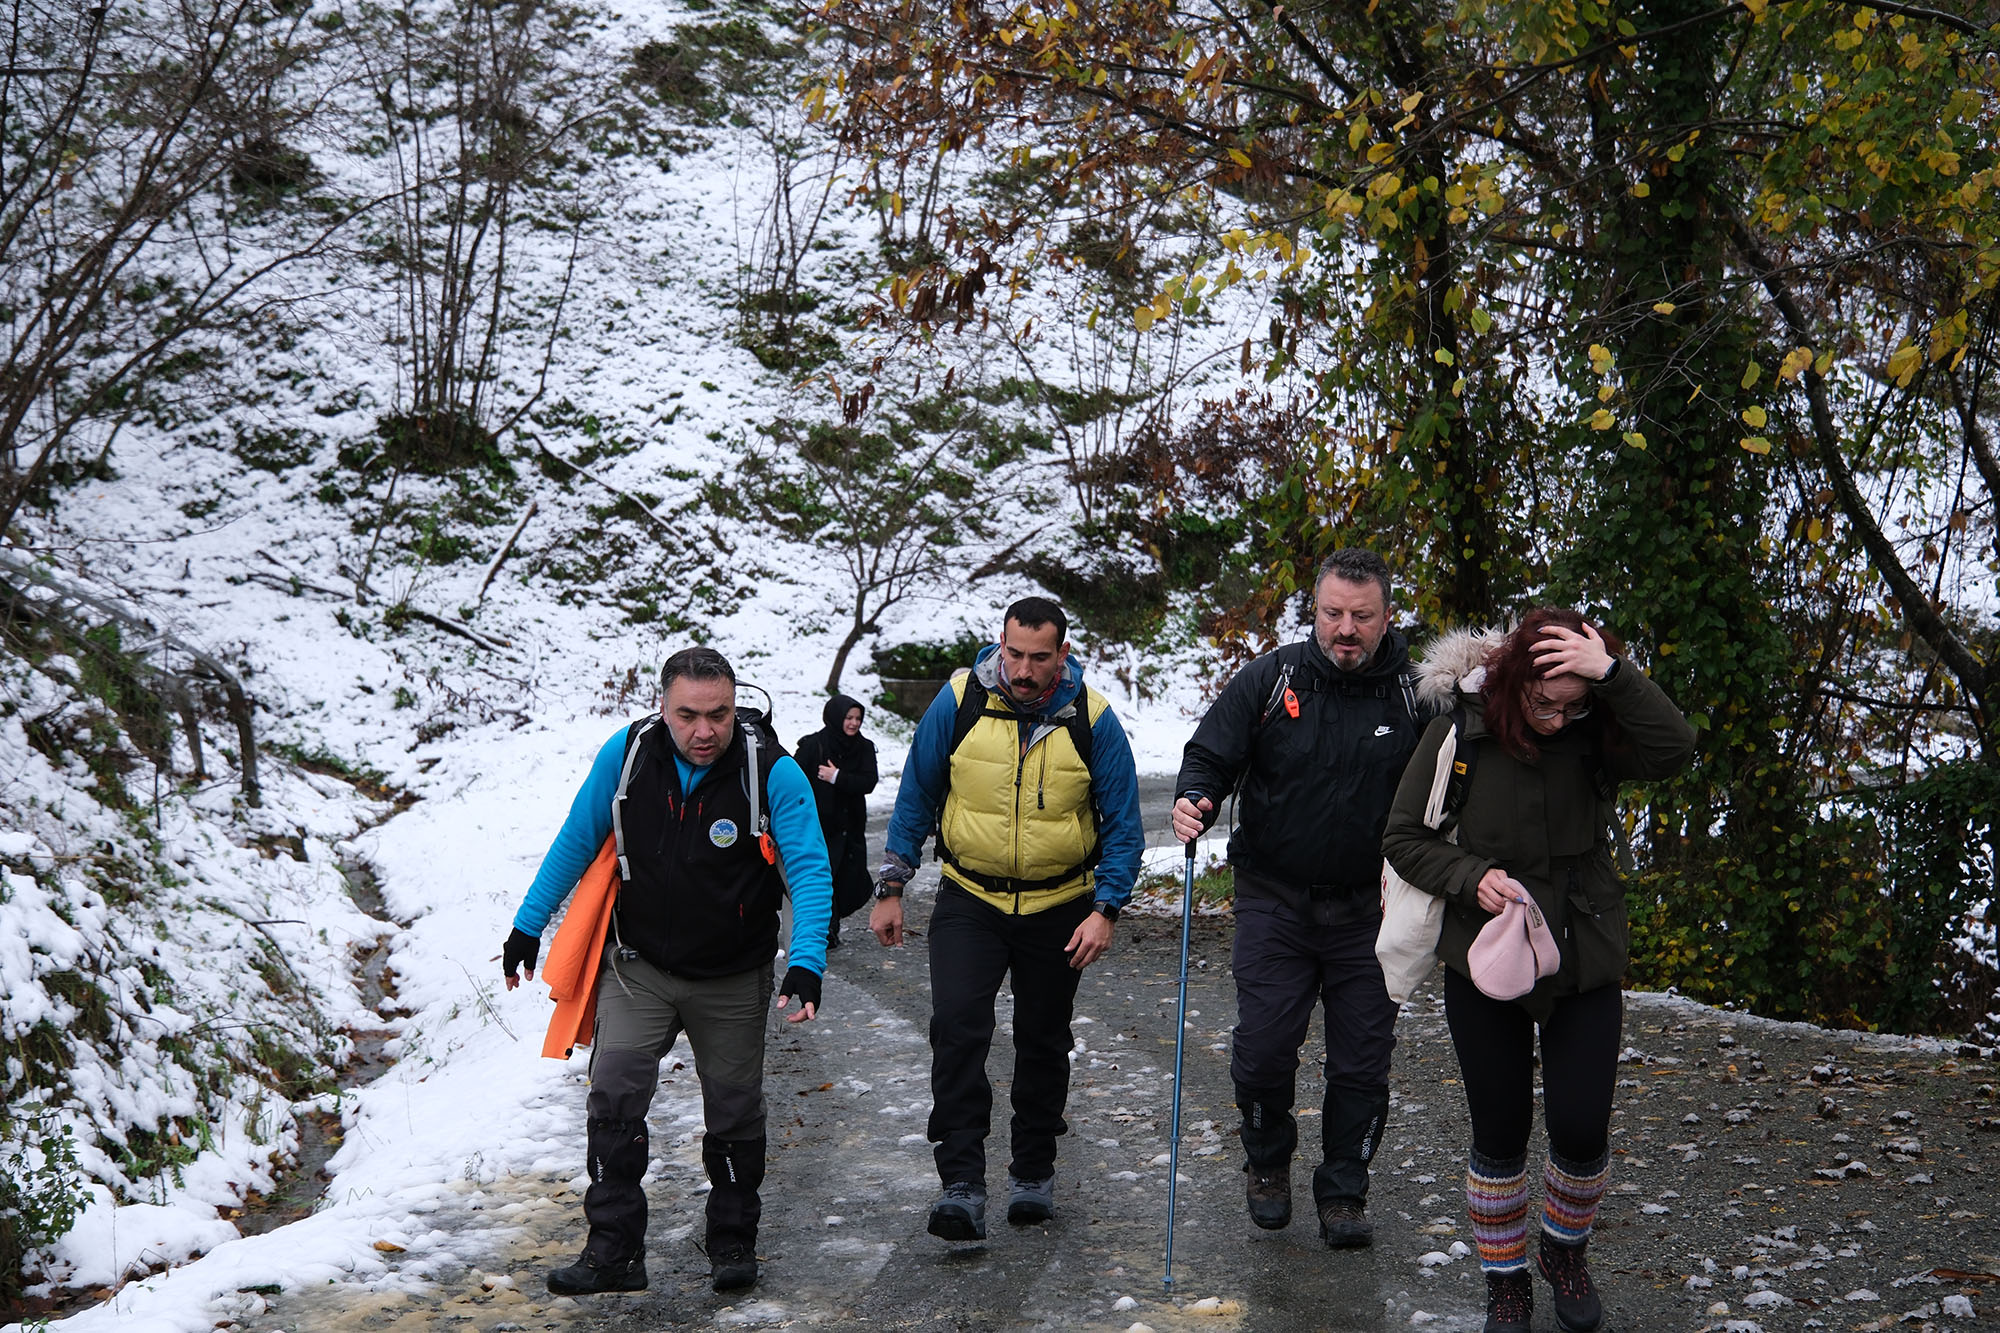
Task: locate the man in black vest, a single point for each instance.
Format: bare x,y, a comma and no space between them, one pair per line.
690,949
1318,733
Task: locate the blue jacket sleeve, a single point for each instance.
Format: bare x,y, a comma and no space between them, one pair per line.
795,827
1121,833
577,842
926,773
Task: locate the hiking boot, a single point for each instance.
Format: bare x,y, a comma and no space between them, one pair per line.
959,1213
1030,1201
590,1275
1577,1308
1343,1225
732,1265
1510,1302
1270,1197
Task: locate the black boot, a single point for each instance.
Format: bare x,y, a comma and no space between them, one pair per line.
1351,1123
1510,1302
735,1173
587,1276
615,1206
1269,1194
1270,1136
1577,1308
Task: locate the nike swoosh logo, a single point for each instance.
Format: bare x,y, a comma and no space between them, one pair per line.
1383,731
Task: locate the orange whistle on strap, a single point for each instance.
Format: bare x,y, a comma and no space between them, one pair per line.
769,846
1291,703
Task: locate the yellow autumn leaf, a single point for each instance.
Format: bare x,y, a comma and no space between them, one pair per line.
1903,363
1756,444
1751,374
1600,358
1753,417
1815,530
1357,133
1795,363
1239,157
1635,439
1641,190
1142,318
1601,419
1663,307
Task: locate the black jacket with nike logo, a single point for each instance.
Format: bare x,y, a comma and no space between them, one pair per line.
1316,786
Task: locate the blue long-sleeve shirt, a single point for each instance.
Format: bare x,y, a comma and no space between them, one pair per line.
794,826
1114,785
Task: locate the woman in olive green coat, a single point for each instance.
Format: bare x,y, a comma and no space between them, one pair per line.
1558,718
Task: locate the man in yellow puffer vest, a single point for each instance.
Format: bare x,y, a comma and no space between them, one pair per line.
1026,776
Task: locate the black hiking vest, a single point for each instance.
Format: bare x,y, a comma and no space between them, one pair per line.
698,897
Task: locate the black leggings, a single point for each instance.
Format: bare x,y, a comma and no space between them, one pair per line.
1495,1040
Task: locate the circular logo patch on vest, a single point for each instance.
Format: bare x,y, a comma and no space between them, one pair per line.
723,833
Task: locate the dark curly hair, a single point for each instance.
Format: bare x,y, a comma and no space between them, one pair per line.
1511,666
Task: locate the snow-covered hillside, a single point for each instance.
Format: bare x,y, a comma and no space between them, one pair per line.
432,659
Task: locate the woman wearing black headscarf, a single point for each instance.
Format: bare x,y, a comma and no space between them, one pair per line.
841,763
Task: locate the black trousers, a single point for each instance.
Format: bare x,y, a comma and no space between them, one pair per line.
1495,1040
1286,967
973,948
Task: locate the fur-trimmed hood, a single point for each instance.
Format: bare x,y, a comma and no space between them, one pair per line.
1454,661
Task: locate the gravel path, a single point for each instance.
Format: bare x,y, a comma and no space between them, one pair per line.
1766,1177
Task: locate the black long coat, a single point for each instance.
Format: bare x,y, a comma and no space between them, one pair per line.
843,804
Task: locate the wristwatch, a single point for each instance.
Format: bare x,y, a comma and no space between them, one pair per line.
884,889
1107,910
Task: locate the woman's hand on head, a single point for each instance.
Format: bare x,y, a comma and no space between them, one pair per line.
1567,652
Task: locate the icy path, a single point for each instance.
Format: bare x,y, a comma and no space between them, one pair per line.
1766,1177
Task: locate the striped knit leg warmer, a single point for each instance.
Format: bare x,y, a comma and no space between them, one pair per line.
1570,1194
1496,1196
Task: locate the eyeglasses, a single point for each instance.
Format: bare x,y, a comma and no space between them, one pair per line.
1544,711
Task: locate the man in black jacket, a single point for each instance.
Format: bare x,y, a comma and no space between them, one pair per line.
1317,733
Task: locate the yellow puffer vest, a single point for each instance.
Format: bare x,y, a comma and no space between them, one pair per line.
1020,821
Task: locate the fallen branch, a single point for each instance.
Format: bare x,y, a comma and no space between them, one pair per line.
237,701
286,581
506,548
581,470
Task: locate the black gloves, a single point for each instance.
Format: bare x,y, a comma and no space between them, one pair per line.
520,948
802,984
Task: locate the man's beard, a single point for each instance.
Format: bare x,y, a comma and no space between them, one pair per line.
1367,657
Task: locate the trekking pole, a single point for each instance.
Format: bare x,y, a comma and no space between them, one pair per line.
1180,1034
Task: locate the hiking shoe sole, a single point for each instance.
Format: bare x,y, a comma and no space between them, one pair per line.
951,1224
1027,1212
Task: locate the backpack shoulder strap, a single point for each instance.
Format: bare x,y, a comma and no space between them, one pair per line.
1282,687
971,703
1083,713
1407,680
759,754
634,734
1465,758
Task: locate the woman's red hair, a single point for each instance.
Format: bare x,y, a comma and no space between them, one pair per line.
1511,668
